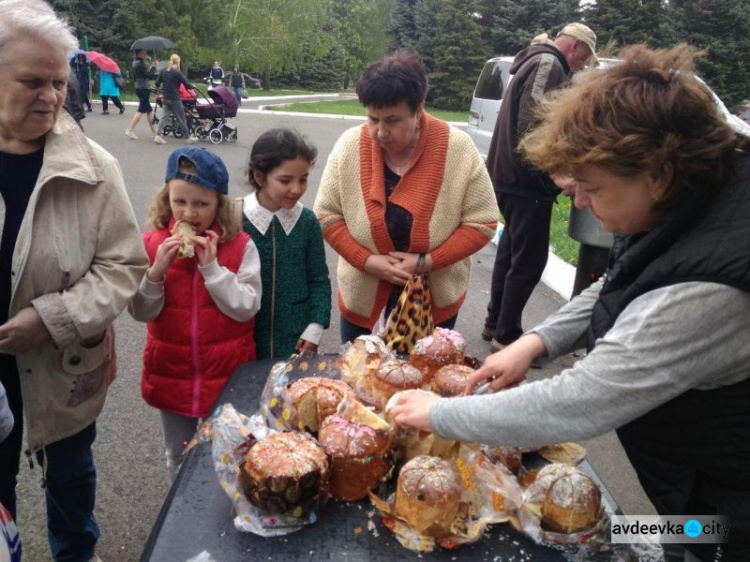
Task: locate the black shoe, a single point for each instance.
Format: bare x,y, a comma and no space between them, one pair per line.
122,110
488,333
90,109
105,112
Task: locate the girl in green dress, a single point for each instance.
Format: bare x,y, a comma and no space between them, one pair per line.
296,299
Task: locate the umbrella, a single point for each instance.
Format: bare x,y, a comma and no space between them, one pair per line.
103,62
151,43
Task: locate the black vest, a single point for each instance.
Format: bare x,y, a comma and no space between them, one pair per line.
691,454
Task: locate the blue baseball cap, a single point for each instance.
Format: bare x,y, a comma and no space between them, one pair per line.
211,173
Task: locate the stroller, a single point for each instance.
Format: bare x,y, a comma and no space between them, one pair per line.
188,100
213,114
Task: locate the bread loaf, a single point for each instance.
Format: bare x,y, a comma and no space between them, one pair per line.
443,347
428,495
451,380
314,399
392,376
363,357
571,500
359,450
186,231
285,473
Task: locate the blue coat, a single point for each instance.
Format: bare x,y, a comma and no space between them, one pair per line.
107,85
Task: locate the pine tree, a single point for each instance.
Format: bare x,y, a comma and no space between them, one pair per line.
402,28
459,55
426,23
626,22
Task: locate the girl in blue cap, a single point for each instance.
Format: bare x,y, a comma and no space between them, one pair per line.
198,298
296,289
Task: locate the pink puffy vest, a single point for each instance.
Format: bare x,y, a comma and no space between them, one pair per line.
192,348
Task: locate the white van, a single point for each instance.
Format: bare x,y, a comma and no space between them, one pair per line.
493,82
485,105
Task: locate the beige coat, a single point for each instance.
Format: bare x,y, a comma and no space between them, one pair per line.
78,261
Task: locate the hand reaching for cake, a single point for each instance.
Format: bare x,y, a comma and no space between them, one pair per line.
507,367
412,409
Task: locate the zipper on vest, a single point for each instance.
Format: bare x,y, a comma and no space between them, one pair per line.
273,281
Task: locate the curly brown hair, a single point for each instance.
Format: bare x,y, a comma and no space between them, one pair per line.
646,114
160,212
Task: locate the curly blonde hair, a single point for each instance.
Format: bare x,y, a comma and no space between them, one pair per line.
646,114
160,212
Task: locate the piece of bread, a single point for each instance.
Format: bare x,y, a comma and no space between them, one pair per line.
392,376
428,495
359,362
185,230
314,399
451,380
358,449
443,347
510,457
571,500
285,473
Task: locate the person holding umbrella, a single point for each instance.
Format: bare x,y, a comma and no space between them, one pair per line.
142,84
80,65
108,89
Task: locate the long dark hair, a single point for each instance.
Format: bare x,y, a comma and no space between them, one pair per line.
274,147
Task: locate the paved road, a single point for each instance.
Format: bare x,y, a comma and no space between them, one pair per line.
130,458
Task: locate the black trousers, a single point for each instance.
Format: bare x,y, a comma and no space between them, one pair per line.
519,263
115,100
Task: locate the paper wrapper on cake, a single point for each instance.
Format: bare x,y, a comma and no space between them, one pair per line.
229,433
443,347
562,506
409,442
285,474
313,399
276,405
358,443
359,361
446,503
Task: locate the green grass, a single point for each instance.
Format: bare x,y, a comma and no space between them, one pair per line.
353,107
563,246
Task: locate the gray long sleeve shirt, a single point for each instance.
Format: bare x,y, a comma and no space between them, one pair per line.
690,335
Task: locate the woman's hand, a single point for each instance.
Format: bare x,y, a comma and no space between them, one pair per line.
384,267
304,346
507,367
23,332
206,247
408,262
412,409
165,255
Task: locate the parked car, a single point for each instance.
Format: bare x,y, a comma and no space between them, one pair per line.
745,114
493,82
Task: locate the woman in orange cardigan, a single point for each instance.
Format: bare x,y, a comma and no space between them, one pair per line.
402,184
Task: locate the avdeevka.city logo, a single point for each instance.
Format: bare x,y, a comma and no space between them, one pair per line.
667,529
693,528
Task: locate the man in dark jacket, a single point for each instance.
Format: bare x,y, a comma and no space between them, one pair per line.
72,102
524,195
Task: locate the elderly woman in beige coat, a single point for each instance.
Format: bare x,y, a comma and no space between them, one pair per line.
71,259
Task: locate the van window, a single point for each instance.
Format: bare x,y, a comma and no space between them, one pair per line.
491,82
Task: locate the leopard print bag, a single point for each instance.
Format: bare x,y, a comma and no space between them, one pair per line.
411,318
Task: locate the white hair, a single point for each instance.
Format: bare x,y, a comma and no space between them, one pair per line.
36,18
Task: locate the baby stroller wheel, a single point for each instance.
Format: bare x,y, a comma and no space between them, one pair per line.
167,129
216,136
177,132
232,136
201,132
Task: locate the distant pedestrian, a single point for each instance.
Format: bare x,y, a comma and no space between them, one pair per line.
108,89
72,102
237,83
142,83
171,78
81,67
216,76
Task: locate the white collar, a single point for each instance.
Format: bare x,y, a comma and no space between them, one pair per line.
261,218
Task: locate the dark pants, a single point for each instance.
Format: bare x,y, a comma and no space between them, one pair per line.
519,263
350,332
115,100
70,488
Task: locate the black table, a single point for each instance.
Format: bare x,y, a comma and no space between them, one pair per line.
198,515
